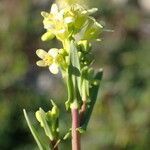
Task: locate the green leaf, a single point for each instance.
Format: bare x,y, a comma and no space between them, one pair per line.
75,65
74,58
70,89
93,96
41,144
74,75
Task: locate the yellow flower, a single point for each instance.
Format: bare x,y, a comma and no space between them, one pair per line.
54,23
51,18
51,59
72,21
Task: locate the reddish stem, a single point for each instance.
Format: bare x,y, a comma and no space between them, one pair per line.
75,132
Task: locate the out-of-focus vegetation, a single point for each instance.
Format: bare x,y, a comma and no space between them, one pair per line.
120,119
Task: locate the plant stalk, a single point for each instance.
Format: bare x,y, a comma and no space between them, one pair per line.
54,145
75,132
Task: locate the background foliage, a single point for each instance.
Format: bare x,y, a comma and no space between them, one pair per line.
120,119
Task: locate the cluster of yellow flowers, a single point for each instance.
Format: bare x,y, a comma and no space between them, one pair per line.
73,22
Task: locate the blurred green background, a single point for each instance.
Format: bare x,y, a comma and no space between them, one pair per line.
121,119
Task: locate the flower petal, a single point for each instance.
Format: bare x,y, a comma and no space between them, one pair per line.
41,63
54,9
41,53
48,24
69,20
45,14
53,52
59,17
54,68
62,31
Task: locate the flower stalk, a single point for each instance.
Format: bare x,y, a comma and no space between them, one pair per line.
75,133
75,28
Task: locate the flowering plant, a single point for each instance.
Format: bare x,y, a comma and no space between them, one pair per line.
75,28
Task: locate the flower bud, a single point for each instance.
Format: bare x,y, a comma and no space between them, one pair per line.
84,71
45,14
90,73
38,117
93,30
84,46
49,120
63,52
55,110
47,36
